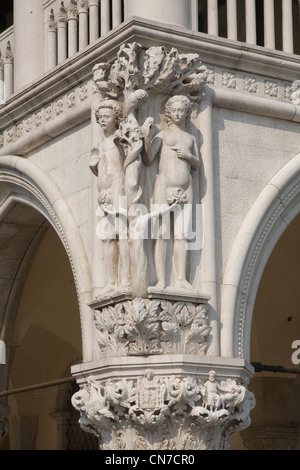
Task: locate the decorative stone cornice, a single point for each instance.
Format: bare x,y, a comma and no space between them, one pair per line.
158,412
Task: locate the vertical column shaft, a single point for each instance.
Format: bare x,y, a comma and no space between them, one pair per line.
195,13
62,46
232,19
209,278
8,71
165,11
269,24
116,12
212,17
94,20
83,19
1,80
72,29
29,52
105,17
51,42
250,11
287,26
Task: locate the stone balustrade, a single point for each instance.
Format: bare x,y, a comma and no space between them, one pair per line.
71,25
6,64
268,23
75,24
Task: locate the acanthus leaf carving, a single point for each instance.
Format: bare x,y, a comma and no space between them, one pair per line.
141,327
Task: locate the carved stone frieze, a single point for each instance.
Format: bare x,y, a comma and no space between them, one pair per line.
48,113
295,96
159,412
145,327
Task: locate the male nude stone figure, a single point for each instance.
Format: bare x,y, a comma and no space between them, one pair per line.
107,164
178,155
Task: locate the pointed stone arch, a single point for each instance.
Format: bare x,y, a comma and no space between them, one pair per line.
273,210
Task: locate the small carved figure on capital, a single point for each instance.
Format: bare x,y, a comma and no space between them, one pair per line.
211,397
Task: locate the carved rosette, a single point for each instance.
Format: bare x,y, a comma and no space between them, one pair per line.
144,327
155,413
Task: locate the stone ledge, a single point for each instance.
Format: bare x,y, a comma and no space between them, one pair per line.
165,365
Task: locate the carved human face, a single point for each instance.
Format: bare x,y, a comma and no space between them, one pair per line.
107,119
178,112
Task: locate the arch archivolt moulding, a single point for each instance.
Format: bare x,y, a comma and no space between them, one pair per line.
30,185
274,209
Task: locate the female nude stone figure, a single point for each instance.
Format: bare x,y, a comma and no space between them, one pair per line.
178,155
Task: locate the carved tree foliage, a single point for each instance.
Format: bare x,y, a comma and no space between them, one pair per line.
154,70
141,328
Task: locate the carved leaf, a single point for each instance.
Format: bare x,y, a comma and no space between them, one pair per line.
170,337
185,317
200,314
195,339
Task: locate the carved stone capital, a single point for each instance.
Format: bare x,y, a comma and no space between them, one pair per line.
72,11
155,412
142,327
62,16
82,6
93,3
8,58
52,23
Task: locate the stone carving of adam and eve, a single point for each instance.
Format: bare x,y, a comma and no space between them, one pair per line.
178,156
